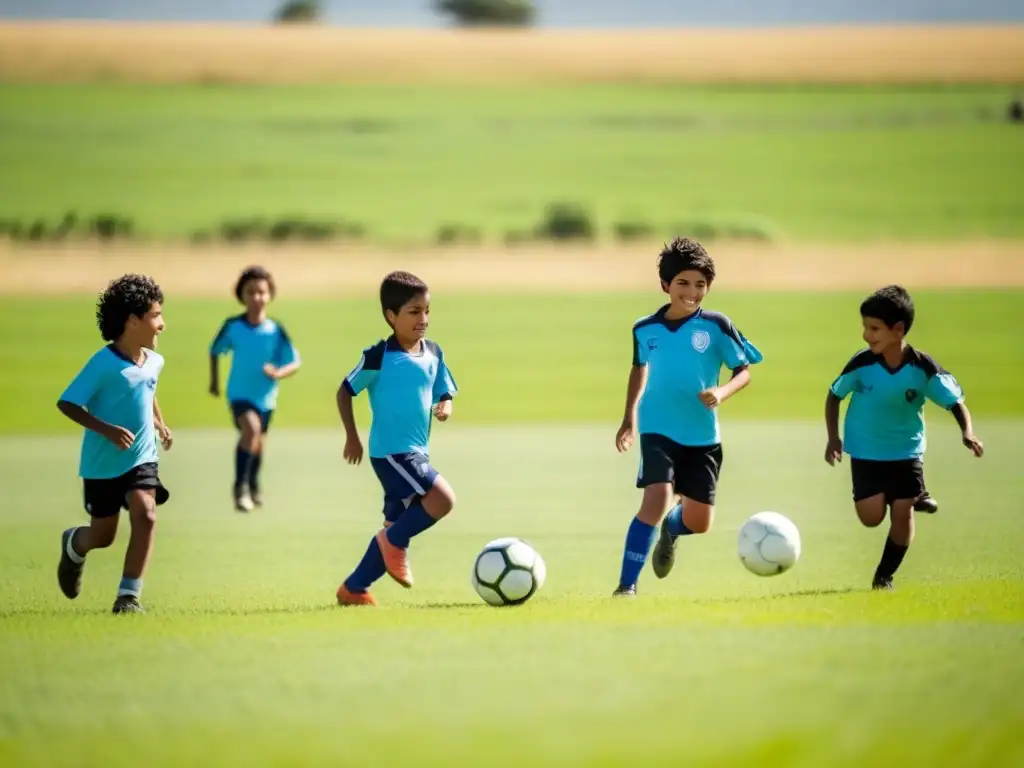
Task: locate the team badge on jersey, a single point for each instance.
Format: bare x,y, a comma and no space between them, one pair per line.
700,340
911,395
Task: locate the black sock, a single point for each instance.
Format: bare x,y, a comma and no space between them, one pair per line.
243,461
892,556
254,471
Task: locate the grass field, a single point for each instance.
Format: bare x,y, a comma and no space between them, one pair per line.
805,163
532,359
243,658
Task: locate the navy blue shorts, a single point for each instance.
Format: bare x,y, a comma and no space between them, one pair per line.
692,469
238,407
404,477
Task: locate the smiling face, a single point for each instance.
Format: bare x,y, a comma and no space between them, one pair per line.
686,292
880,337
144,330
411,321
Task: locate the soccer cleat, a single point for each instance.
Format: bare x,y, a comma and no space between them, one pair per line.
664,555
622,591
882,582
396,560
127,604
243,500
346,597
69,573
925,503
256,497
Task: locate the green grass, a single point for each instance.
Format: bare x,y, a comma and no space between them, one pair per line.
518,359
811,163
243,659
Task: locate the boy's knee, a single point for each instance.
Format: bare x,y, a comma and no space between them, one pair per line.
144,511
101,538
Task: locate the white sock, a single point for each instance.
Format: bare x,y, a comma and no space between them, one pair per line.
76,558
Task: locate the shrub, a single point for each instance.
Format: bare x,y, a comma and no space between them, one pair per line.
482,13
299,12
566,221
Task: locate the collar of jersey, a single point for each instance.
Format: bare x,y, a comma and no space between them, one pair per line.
909,356
392,345
118,354
675,325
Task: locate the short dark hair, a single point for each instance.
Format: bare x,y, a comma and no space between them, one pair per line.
398,289
128,295
682,254
891,304
254,273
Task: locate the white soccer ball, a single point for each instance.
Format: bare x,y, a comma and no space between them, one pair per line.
508,572
768,544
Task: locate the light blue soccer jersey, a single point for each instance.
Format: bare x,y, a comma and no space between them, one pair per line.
403,388
252,347
683,358
884,421
114,389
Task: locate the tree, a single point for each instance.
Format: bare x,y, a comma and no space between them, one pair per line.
483,13
299,12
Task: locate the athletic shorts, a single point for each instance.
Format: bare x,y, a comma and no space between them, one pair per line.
108,496
692,469
902,479
238,407
404,478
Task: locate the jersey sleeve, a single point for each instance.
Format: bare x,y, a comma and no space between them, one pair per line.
846,382
944,390
222,341
367,370
735,349
285,352
444,383
85,385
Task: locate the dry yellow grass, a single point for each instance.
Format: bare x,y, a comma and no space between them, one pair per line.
336,271
75,52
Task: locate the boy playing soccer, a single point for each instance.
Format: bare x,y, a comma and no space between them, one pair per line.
408,381
678,353
261,356
114,398
884,429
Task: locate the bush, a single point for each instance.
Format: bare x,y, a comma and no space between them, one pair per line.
299,12
566,221
454,234
483,13
633,230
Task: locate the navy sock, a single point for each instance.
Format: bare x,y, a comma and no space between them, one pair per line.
639,540
370,568
412,522
892,557
674,522
254,470
243,460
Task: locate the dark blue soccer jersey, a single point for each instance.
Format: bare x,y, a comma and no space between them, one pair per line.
683,358
403,387
884,421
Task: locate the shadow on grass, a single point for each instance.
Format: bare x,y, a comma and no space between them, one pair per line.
779,596
448,605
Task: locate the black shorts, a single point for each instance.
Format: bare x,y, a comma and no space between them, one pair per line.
692,469
107,497
902,479
238,407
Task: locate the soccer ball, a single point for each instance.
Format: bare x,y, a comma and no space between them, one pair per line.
769,544
508,572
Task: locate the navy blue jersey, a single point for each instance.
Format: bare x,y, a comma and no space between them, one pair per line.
885,421
683,358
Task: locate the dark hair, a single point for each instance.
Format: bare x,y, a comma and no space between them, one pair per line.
398,289
128,295
254,273
891,305
682,254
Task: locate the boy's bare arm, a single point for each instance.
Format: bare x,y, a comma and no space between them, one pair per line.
834,448
214,376
283,372
353,445
162,430
715,396
963,419
119,436
634,388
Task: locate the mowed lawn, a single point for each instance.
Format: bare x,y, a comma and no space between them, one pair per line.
244,659
814,163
